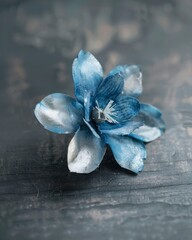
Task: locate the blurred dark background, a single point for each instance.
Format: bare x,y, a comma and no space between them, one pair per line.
39,198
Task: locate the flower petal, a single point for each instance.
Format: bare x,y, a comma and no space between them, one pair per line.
117,111
128,152
119,129
109,89
153,126
87,75
132,79
85,151
91,126
125,108
59,113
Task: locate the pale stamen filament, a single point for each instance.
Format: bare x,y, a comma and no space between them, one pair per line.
107,112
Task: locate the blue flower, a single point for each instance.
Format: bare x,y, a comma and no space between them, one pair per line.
106,111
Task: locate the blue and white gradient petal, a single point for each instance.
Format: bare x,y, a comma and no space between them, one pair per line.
128,152
59,113
87,75
85,151
120,129
132,76
153,124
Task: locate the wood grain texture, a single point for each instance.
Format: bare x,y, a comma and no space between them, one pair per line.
39,198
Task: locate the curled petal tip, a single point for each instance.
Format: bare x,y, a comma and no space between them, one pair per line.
82,52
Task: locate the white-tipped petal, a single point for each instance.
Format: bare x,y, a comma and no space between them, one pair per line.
153,124
128,152
85,151
59,113
132,76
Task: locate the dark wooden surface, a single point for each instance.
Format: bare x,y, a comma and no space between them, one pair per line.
39,198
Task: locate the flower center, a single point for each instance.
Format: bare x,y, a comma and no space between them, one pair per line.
107,114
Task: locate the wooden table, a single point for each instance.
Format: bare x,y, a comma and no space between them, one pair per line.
39,198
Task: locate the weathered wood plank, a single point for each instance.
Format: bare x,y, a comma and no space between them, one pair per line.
39,198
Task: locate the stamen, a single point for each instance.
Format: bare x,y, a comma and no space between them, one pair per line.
107,113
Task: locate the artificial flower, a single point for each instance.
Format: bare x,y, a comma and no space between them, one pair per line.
106,111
